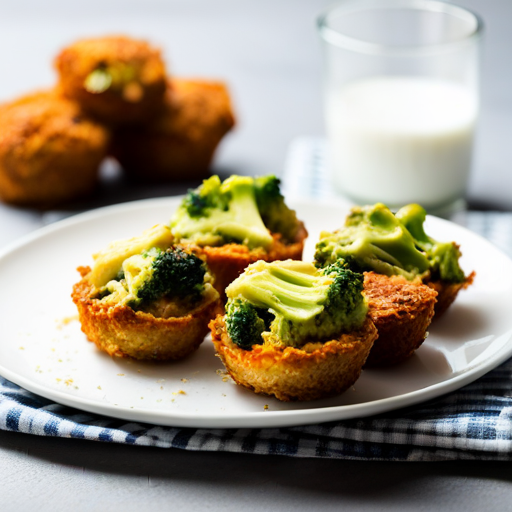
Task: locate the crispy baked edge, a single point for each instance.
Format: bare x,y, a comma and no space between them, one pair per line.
228,261
122,332
317,370
403,327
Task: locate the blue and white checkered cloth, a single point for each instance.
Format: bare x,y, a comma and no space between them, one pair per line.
473,423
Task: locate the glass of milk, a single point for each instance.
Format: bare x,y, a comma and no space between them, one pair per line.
401,100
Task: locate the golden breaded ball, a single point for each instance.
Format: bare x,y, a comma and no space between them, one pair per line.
317,370
116,79
180,143
49,151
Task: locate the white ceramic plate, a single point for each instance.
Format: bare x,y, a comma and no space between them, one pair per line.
43,349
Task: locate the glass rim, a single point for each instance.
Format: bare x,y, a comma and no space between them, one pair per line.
337,38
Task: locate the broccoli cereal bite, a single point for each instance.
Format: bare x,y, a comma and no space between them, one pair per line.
116,79
146,298
375,239
238,222
294,331
49,151
179,144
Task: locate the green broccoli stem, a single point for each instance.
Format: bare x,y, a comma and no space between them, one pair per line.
413,217
305,303
244,221
374,239
219,213
391,242
294,295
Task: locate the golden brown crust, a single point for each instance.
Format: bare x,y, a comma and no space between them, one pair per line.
317,370
402,311
49,152
227,262
180,143
122,332
139,96
447,292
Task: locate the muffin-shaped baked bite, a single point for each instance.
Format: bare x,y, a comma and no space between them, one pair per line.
147,299
375,239
179,144
116,79
49,151
238,222
447,291
402,311
293,331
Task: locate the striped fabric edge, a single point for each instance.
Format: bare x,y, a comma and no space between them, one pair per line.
474,423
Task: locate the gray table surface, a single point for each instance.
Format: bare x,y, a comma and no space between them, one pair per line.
269,53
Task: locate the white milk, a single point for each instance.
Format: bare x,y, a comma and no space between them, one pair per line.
399,140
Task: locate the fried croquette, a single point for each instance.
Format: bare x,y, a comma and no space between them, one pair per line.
317,370
227,262
117,79
402,311
49,151
121,331
180,143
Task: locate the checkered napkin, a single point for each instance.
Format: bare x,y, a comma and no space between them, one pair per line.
474,422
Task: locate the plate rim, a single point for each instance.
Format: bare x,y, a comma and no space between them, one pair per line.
272,419
256,419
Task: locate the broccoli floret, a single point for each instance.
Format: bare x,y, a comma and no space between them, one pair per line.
194,204
245,323
237,210
275,213
175,273
374,238
291,302
443,256
198,202
108,262
153,274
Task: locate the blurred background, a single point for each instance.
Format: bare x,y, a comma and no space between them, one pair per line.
269,53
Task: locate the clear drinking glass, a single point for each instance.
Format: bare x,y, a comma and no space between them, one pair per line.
401,100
